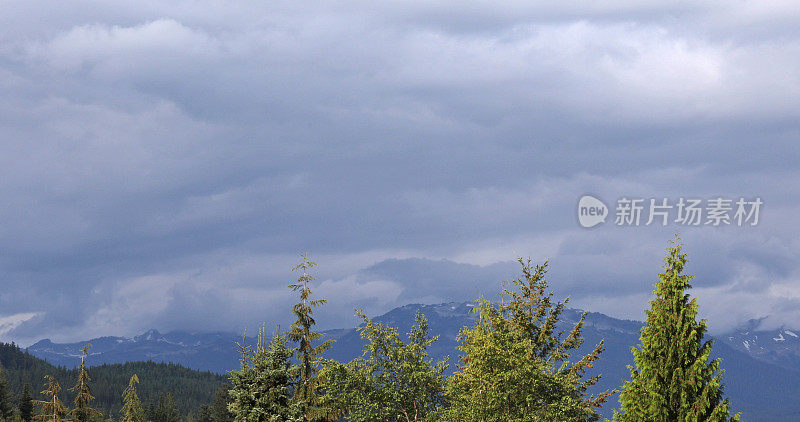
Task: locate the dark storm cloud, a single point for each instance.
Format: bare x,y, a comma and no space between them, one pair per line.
160,159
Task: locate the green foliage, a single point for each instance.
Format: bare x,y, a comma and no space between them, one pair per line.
26,404
261,391
516,366
218,411
6,408
83,412
132,410
204,414
302,333
109,380
393,381
51,409
673,379
166,410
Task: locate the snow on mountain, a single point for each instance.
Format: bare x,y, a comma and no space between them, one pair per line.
779,347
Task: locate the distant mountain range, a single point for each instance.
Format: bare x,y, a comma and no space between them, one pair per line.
762,377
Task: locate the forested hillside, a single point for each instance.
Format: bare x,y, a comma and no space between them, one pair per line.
190,388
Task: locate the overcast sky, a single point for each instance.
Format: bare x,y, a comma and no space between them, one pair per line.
164,163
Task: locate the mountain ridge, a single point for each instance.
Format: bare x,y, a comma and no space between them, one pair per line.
769,372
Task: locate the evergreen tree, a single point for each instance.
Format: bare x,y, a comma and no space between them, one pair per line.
516,364
6,407
261,391
132,407
51,410
83,412
673,379
302,333
393,381
166,410
26,404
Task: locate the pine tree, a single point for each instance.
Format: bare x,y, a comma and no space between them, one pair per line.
261,391
83,412
132,407
301,332
6,407
673,379
516,364
26,404
51,410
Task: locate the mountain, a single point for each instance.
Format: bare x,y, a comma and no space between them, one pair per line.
215,352
191,388
764,386
780,347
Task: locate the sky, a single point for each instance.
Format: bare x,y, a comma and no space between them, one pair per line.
164,164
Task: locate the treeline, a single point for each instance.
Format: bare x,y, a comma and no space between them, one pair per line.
188,389
515,365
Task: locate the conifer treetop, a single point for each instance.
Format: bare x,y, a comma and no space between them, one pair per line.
673,377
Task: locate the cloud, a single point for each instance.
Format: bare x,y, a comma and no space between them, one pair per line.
10,322
162,159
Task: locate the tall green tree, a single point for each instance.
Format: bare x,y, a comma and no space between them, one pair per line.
392,381
303,334
516,364
51,410
132,410
6,407
261,390
83,412
673,378
26,404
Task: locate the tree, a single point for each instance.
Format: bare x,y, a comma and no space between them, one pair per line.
83,412
392,381
6,408
302,333
132,410
672,378
52,410
166,410
26,404
516,363
261,391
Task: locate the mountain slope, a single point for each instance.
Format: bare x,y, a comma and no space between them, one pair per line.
780,347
